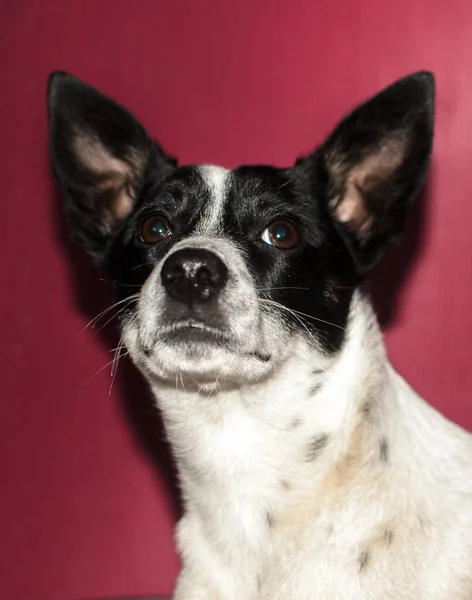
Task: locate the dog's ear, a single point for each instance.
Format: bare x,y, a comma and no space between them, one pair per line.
374,163
100,155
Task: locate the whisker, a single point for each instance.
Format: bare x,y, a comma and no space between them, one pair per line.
281,288
293,311
114,366
121,284
285,184
214,388
182,382
115,315
146,264
107,310
100,370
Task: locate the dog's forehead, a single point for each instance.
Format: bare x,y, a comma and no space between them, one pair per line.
217,182
215,198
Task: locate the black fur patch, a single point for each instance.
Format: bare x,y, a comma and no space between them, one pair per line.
315,388
388,537
316,446
368,410
294,423
364,559
384,450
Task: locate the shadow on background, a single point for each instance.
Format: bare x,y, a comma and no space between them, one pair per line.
389,277
137,404
136,401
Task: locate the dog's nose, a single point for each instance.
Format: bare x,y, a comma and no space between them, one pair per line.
193,275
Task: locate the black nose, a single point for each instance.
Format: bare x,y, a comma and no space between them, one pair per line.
193,275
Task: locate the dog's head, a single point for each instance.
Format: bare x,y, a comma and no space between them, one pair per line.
219,273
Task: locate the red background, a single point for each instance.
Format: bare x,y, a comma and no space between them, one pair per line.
84,509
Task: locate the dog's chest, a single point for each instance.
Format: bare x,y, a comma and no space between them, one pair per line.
232,468
249,484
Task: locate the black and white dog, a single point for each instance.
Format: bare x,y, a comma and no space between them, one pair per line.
310,470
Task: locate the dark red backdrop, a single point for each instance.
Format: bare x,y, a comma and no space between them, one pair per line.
84,511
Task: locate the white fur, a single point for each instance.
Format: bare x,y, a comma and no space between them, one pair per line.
215,178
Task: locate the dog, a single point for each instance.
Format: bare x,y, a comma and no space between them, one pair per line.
309,469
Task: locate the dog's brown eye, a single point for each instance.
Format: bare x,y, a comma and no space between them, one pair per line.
154,229
281,234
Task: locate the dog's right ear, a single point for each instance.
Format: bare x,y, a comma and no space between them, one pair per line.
100,155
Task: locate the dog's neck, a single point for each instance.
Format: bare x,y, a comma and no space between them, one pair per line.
290,430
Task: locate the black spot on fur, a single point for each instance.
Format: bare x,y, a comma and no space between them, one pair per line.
262,357
285,485
270,520
318,371
368,410
384,450
364,561
388,537
294,423
315,388
316,446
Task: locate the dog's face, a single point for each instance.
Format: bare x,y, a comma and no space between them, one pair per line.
217,273
230,266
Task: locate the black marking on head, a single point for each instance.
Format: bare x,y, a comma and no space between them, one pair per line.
317,372
384,450
388,537
316,446
364,561
270,520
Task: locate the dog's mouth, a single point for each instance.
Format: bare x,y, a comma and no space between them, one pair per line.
194,331
195,338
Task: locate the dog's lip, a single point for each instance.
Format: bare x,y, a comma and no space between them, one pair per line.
198,332
193,330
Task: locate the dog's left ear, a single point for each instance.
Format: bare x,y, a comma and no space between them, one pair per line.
375,162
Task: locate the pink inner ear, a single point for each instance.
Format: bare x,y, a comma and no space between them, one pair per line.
94,157
114,174
352,207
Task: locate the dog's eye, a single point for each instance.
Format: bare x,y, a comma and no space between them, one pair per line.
154,229
281,234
